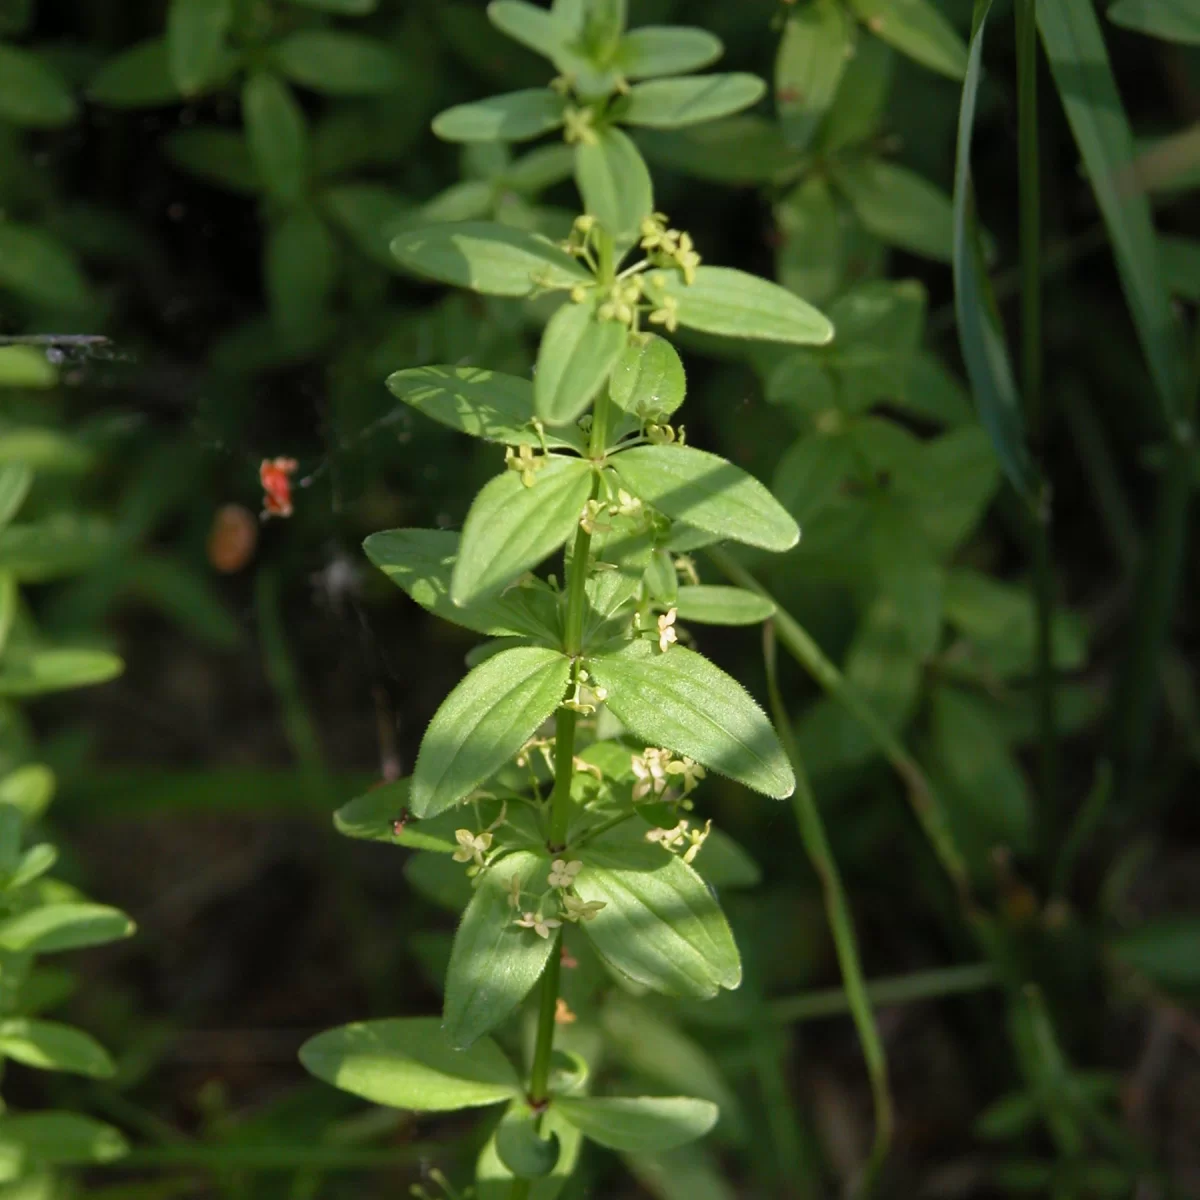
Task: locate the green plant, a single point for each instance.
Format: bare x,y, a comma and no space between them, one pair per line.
578,844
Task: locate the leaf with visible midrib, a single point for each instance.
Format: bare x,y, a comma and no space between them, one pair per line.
51,1046
484,722
510,528
65,926
410,1063
689,99
615,184
639,1124
682,701
494,962
576,357
707,492
512,117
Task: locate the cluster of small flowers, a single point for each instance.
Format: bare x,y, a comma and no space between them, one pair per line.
682,835
563,873
625,505
655,768
669,247
586,695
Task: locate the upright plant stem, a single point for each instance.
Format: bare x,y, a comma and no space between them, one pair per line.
565,722
1031,386
841,925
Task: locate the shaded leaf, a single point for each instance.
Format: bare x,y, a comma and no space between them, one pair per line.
655,50
898,206
32,93
338,63
276,134
195,41
818,39
513,117
615,184
642,1124
917,29
689,100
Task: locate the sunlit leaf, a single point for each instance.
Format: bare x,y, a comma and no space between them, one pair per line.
577,354
640,1124
655,50
688,100
50,1046
512,117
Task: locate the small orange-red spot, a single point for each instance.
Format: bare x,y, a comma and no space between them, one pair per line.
568,960
562,1013
232,538
275,474
789,95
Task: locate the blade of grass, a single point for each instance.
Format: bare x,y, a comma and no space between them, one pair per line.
841,924
809,655
883,993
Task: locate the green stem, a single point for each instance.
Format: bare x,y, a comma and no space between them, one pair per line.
809,655
882,993
539,1076
1031,386
841,925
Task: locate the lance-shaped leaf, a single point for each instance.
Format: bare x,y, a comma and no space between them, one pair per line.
576,356
510,528
51,1046
707,492
277,135
615,184
487,257
545,33
639,1124
32,94
682,701
979,330
495,962
493,1180
1172,20
39,267
196,40
689,99
918,30
421,562
817,42
898,206
512,117
655,50
482,724
660,924
1166,950
338,63
34,673
648,380
138,77
381,815
64,926
410,1063
485,404
709,605
61,1139
731,303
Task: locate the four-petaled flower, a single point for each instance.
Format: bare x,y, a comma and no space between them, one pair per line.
666,630
575,909
626,505
691,771
471,846
669,839
577,126
648,770
540,925
562,872
666,313
524,461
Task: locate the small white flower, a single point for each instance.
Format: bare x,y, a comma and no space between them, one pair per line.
649,771
471,846
691,771
666,630
540,925
562,872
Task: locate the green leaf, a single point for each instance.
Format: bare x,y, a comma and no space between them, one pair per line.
421,562
277,136
980,333
543,32
707,492
818,41
482,724
510,528
40,268
371,216
373,815
541,168
345,8
639,1125
814,241
487,257
648,381
655,50
985,795
722,605
495,962
615,184
731,303
1083,75
737,151
898,206
520,1144
64,926
338,63
660,925
217,156
512,117
196,32
35,672
577,354
33,94
1167,951
410,1063
482,403
29,788
44,450
689,99
301,270
34,863
918,30
493,1180
1174,20
62,1138
1181,265
26,367
139,77
50,1046
682,701
51,548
